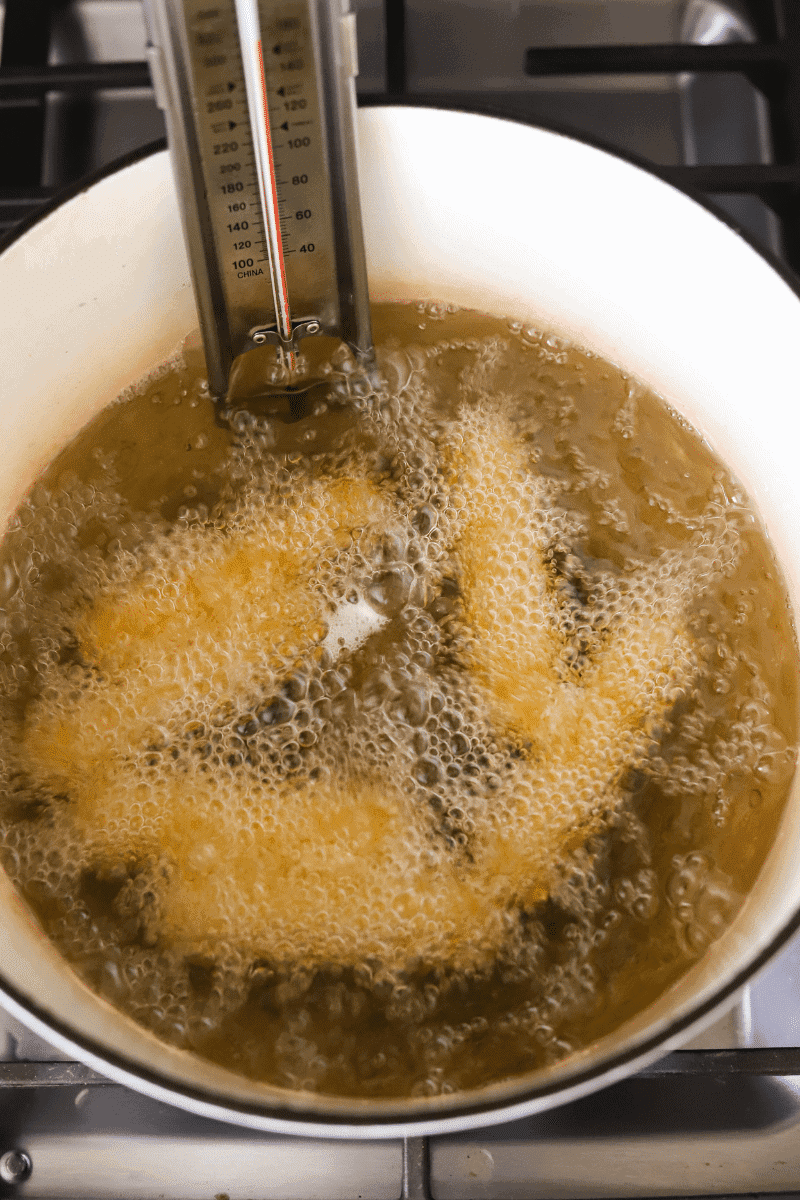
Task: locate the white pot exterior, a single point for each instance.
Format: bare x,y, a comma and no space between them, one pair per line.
496,216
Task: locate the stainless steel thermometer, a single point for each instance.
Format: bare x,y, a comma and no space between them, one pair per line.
259,99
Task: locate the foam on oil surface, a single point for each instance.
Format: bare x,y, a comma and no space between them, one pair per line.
198,727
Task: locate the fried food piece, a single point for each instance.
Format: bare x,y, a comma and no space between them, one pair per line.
253,586
581,730
207,617
338,871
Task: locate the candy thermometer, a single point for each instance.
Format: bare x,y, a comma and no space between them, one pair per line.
259,99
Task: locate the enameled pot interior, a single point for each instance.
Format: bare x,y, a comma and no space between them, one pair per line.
492,215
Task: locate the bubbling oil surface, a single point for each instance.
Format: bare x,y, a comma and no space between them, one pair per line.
396,741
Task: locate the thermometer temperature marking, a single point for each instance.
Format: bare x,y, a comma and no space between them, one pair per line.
259,99
255,81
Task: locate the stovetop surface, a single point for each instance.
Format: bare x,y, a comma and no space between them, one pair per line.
683,1133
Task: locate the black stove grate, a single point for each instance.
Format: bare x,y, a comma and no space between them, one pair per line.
771,64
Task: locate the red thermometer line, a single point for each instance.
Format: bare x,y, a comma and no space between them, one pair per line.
255,82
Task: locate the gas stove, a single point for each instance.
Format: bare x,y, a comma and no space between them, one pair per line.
719,1119
706,92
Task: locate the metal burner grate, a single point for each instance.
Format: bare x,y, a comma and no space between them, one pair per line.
28,86
771,65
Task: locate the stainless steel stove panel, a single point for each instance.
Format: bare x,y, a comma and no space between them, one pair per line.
104,1142
634,1140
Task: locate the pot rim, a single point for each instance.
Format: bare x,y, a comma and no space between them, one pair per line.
460,1111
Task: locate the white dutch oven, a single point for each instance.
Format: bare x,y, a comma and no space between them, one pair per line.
500,217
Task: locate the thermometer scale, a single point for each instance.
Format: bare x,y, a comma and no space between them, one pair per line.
259,99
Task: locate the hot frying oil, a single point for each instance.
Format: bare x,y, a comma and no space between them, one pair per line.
402,737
